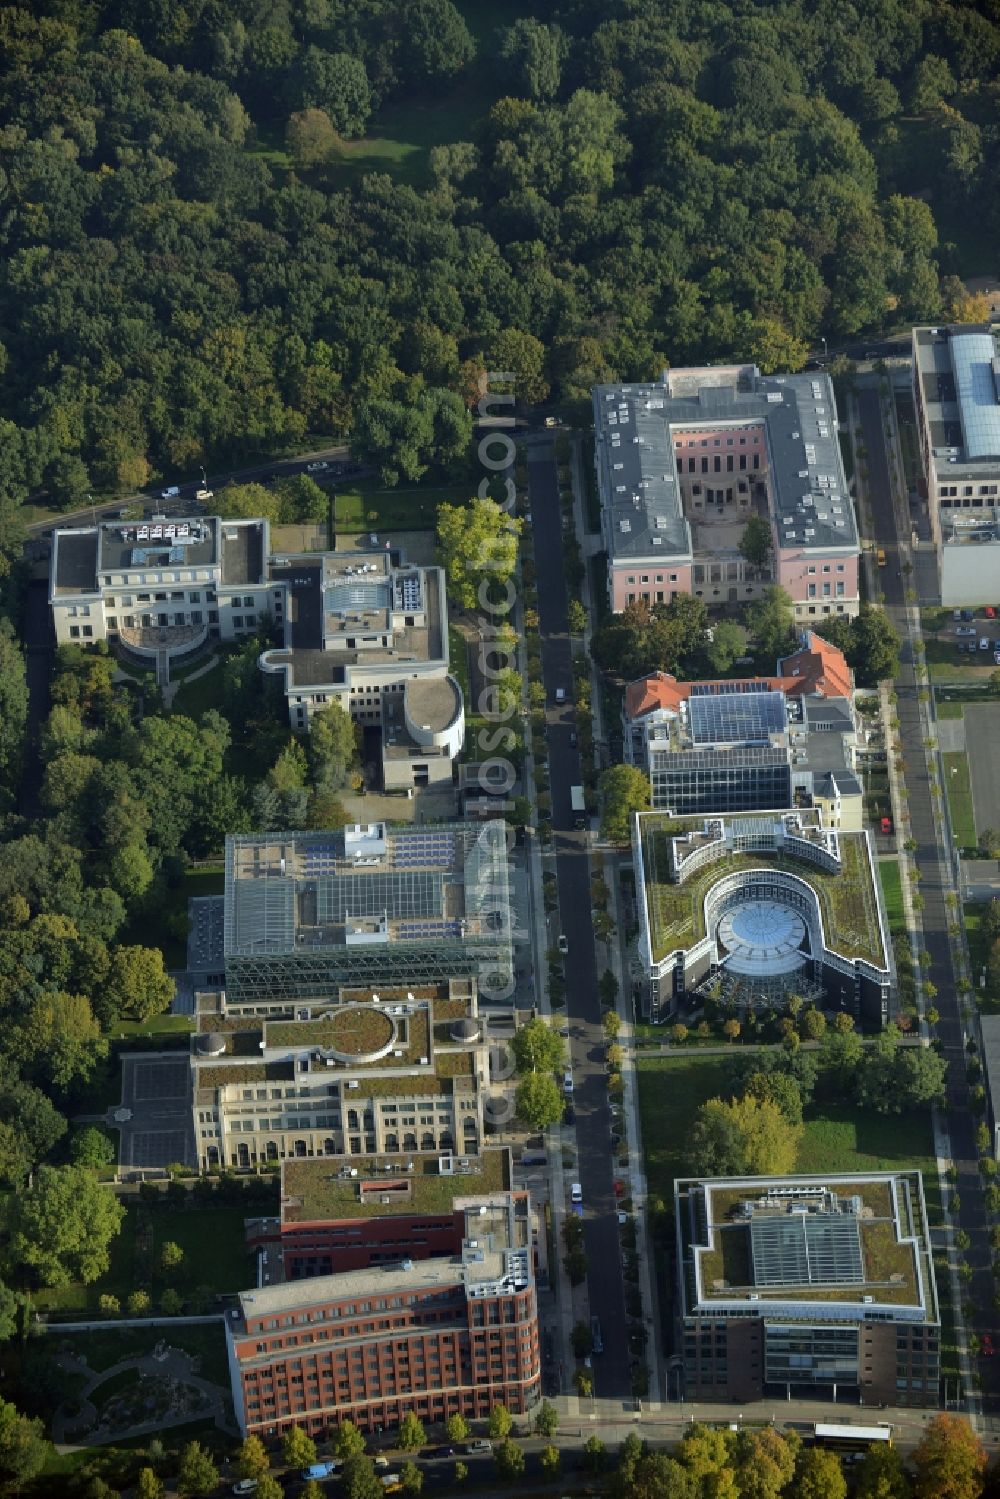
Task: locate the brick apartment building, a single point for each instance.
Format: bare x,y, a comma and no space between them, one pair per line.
453,1332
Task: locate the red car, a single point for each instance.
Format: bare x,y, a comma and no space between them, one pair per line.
619,1189
886,824
990,612
987,1346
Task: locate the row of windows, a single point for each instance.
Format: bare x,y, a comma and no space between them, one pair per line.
826,568
826,590
702,442
692,464
967,489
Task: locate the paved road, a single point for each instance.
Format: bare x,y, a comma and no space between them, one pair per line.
960,1121
593,1119
276,468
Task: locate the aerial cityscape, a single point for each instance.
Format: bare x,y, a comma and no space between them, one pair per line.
500,749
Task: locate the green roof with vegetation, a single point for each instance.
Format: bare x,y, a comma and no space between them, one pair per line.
894,1270
313,1190
847,900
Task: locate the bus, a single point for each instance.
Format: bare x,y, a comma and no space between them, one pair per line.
842,1438
578,806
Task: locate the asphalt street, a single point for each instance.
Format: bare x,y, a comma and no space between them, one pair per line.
590,1095
263,472
961,1122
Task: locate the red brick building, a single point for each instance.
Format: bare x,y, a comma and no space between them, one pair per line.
455,1331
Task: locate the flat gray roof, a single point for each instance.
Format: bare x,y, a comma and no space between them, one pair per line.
638,476
75,562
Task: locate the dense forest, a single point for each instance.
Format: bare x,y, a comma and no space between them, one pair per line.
189,270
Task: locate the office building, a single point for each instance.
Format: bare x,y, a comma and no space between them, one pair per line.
807,1287
370,1210
455,1332
371,904
684,463
752,908
764,742
956,395
363,629
355,1075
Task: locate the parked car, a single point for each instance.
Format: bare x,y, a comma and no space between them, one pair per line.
576,1192
619,1188
595,1335
171,493
245,1486
965,630
562,943
478,1449
984,644
569,1115
441,1452
317,468
956,614
567,1081
319,1471
990,612
572,738
967,614
996,657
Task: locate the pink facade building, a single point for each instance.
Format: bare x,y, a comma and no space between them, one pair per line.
683,464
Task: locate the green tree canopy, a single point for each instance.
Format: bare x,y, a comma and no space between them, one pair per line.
63,1224
745,1136
478,549
537,1047
625,790
538,1100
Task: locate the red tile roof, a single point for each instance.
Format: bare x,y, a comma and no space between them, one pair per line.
818,668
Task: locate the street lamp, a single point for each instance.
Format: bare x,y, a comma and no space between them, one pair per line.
823,342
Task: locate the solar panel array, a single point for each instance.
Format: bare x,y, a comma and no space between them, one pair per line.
726,689
737,718
802,1249
401,893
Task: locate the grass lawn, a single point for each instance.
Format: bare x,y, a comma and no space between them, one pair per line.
671,1089
215,1256
892,894
404,132
946,709
364,505
458,657
119,1279
956,774
215,1253
906,423
198,695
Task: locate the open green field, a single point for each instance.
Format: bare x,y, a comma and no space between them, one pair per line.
956,774
671,1089
363,506
892,894
943,708
215,1257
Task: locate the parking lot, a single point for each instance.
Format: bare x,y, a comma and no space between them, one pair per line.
975,635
